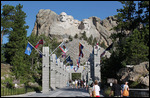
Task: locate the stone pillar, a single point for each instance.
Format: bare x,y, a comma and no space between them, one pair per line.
52,69
45,70
89,71
70,75
64,75
97,73
65,84
61,76
58,73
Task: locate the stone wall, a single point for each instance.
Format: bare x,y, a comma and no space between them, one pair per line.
139,92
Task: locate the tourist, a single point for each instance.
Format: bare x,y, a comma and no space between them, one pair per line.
125,90
73,84
84,84
89,86
81,83
76,82
116,88
96,88
70,81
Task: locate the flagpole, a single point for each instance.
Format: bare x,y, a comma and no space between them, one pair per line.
36,49
55,49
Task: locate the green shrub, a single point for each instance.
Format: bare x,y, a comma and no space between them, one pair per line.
76,36
107,91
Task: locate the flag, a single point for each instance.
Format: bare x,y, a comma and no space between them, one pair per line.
63,48
71,67
103,53
40,42
96,46
63,55
68,59
28,49
107,49
71,63
110,47
75,68
78,62
40,55
80,49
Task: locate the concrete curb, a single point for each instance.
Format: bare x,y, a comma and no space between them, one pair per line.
21,95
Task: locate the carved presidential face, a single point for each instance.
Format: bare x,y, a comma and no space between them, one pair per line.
63,17
70,19
86,25
76,23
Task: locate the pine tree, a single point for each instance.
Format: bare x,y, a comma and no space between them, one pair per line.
135,49
94,42
90,40
6,20
70,38
126,16
76,36
16,46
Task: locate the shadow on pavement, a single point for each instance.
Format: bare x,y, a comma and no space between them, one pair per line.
75,89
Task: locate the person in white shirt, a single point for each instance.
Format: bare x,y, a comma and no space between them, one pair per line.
126,87
76,82
96,88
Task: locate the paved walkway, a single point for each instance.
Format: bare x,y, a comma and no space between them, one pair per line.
63,92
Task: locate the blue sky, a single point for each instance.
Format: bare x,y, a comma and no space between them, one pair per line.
78,9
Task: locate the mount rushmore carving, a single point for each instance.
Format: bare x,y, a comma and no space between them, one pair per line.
48,22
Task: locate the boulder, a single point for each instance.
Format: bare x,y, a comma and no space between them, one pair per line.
139,73
2,78
33,84
141,68
144,80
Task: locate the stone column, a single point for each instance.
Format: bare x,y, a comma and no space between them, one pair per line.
97,73
58,73
61,77
52,69
70,75
45,70
64,75
89,71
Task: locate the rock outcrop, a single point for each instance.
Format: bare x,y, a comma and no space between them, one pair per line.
49,23
139,73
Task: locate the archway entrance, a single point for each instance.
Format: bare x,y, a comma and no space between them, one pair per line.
76,76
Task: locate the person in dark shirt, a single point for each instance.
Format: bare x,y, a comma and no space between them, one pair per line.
117,90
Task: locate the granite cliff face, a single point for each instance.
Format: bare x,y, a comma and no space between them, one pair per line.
49,23
139,73
62,26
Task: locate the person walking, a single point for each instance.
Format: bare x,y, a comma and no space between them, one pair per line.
73,84
76,82
117,89
81,83
89,86
125,90
96,89
84,84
